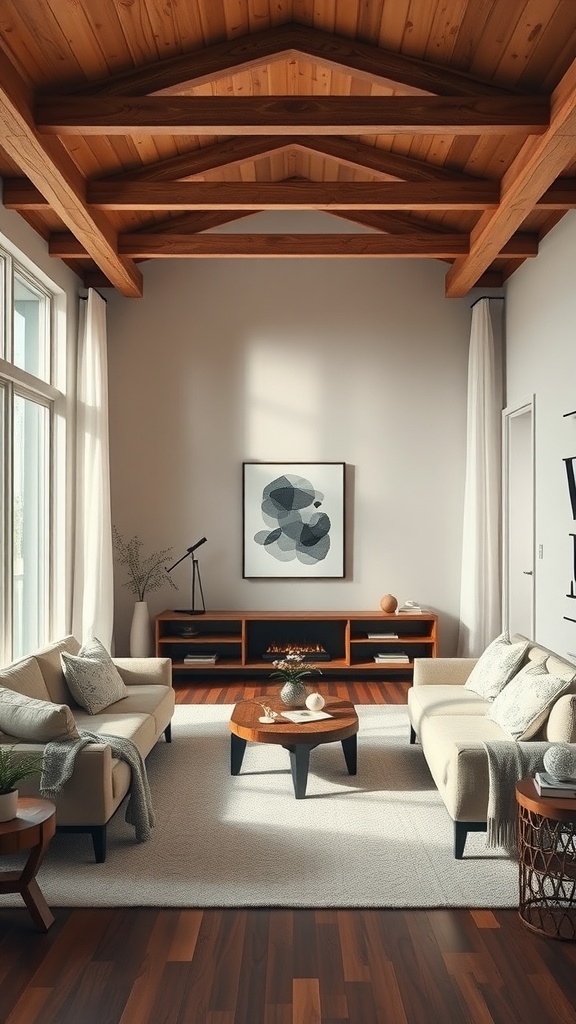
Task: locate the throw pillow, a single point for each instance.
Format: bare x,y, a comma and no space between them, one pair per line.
496,666
92,677
27,718
524,704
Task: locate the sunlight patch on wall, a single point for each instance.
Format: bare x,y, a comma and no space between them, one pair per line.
284,384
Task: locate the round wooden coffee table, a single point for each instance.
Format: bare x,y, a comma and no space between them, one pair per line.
297,738
31,829
547,861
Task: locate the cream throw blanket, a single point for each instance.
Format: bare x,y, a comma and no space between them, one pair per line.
508,762
58,765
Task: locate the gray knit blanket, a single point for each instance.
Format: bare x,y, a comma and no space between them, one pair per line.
58,765
508,762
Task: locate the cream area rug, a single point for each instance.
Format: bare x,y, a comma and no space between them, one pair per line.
379,839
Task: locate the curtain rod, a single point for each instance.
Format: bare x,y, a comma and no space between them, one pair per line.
497,298
84,298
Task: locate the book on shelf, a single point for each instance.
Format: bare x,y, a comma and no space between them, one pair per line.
410,609
200,659
382,659
547,785
382,636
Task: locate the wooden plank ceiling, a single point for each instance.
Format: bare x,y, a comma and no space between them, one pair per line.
134,129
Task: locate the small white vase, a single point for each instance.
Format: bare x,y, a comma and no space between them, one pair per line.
141,631
315,701
8,805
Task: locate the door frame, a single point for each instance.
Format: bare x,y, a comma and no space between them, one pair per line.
508,415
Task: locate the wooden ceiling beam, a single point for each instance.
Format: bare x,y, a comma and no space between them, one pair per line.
229,153
169,245
19,193
535,169
300,195
289,115
351,56
348,152
385,164
51,169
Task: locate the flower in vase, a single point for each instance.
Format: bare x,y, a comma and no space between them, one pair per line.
292,668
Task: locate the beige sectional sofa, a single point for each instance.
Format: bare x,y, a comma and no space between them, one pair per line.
451,723
99,781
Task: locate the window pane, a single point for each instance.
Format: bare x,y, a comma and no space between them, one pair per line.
31,525
30,334
3,591
2,308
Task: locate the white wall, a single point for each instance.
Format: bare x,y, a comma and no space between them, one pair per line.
225,361
541,360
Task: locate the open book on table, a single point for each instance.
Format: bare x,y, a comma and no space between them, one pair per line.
305,715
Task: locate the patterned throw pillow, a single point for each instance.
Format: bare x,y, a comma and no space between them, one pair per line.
524,704
496,666
92,677
28,718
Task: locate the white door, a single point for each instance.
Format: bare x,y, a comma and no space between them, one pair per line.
518,519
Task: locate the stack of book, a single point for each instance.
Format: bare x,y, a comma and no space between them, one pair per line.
547,785
397,656
200,659
382,636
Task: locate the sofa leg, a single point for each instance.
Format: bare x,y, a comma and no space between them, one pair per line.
413,736
461,830
460,833
98,833
168,733
99,843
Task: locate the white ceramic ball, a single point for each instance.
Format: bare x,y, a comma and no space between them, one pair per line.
315,702
560,761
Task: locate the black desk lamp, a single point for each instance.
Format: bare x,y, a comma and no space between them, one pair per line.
196,581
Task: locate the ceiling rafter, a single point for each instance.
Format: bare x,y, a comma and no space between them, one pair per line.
51,169
529,177
293,41
290,115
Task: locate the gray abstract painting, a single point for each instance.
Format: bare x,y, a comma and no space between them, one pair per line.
296,529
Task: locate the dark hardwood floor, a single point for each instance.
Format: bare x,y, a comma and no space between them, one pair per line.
150,966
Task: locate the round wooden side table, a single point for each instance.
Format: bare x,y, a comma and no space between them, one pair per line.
31,829
547,862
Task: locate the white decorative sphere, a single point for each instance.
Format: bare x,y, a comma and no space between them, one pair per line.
560,761
315,702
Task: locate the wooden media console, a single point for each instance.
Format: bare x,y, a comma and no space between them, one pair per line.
246,643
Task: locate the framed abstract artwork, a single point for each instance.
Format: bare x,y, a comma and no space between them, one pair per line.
293,520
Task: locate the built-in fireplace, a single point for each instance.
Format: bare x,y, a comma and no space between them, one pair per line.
272,639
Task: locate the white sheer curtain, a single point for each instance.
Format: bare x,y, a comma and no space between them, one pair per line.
480,590
93,591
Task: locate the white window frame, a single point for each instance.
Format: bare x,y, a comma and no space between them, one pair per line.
16,381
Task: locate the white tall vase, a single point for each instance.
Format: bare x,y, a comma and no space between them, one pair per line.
141,631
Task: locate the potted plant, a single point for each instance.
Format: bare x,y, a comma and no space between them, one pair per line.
144,575
292,669
12,770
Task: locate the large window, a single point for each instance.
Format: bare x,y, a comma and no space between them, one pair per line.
28,400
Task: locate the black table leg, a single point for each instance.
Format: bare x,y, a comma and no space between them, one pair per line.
299,761
349,747
237,748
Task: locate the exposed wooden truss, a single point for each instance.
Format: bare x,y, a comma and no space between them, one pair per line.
406,199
